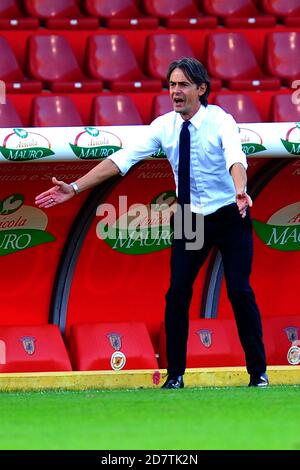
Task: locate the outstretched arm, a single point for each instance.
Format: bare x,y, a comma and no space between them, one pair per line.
239,177
62,191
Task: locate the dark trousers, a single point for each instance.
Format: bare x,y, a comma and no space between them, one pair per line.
232,234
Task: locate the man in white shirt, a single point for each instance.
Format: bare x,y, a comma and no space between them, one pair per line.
214,188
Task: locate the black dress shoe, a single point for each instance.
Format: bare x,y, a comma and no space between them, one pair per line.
174,382
259,380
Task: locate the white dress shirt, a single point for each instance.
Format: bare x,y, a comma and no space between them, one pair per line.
215,147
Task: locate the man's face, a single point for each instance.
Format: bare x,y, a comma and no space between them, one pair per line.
185,94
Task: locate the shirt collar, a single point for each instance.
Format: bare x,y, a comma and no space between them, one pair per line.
196,120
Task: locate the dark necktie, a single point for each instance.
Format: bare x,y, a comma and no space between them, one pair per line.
184,196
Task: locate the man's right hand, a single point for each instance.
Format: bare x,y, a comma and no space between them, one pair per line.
59,193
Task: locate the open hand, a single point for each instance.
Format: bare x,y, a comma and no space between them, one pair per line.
59,193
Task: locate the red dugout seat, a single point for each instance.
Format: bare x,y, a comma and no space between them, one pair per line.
51,111
111,59
33,349
280,334
282,49
11,17
283,109
52,60
240,106
11,73
9,116
178,14
60,14
161,105
211,343
230,58
115,110
161,49
238,13
111,346
120,14
286,11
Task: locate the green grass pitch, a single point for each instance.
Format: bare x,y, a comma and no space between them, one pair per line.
196,418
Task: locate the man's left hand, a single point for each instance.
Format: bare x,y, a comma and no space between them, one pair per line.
243,201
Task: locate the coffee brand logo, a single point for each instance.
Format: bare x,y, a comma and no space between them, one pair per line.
251,141
292,140
93,143
282,230
21,226
141,229
21,145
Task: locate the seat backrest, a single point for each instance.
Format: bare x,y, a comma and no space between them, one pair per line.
48,111
281,8
229,56
112,8
221,8
161,105
51,58
115,110
162,49
240,106
110,57
282,54
45,9
9,67
9,9
284,110
9,116
171,8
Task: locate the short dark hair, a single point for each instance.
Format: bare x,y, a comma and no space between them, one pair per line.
195,72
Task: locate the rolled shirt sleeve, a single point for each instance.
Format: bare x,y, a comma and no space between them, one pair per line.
231,143
146,143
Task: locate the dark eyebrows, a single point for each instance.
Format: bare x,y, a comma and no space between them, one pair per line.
180,83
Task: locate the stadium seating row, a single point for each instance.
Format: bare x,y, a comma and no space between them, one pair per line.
127,345
110,63
89,14
109,110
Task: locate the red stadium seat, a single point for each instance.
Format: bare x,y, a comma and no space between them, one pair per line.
284,110
178,14
230,58
11,73
238,13
33,349
240,106
279,335
161,49
161,105
111,346
11,17
111,59
60,14
120,14
52,60
211,343
286,11
51,111
282,56
115,110
9,116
